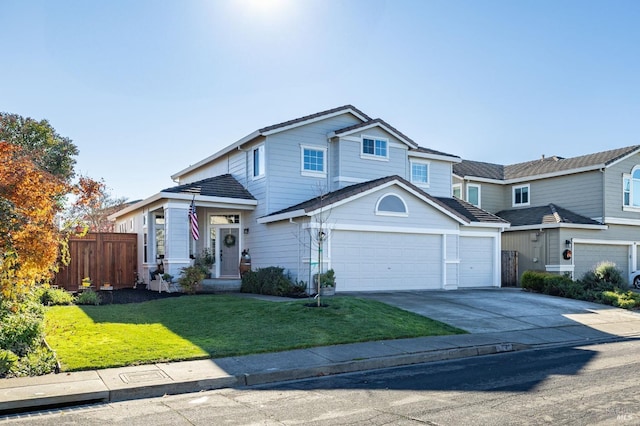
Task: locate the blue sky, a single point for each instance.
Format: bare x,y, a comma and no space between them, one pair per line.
146,88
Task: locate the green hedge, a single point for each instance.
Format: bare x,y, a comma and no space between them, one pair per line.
604,284
271,280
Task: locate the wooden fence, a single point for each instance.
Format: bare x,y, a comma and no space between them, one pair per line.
104,258
509,268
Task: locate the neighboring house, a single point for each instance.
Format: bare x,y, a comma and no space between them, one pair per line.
566,214
335,189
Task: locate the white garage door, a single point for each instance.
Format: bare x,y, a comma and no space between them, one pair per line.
370,261
587,256
476,261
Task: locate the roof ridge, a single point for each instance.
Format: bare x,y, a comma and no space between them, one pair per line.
314,115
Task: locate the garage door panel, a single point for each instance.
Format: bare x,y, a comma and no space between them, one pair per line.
386,261
476,261
587,256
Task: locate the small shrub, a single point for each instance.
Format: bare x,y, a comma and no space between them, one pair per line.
88,297
604,277
190,278
21,331
327,279
7,362
250,283
533,281
53,296
271,280
625,300
36,363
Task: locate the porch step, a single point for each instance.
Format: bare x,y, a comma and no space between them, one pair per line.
217,285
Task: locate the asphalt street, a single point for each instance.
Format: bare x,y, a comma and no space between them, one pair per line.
591,384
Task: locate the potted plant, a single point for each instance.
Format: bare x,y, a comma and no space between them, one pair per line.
327,282
205,261
167,277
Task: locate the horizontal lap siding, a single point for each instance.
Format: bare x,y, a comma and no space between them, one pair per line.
439,179
613,188
287,186
580,193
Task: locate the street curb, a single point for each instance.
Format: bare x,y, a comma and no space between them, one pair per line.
377,363
43,396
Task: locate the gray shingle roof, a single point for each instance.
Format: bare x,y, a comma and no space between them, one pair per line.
479,169
469,211
542,166
398,132
312,116
374,121
460,208
544,215
224,186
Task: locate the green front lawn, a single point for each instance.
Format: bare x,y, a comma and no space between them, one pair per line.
214,326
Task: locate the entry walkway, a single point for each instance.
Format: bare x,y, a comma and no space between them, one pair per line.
498,320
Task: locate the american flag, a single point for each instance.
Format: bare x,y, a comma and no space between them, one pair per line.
193,221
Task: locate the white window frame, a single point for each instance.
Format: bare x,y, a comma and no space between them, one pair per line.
454,187
388,213
513,195
261,161
474,185
374,156
629,176
427,164
313,173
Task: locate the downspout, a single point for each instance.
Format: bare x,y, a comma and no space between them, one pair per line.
604,204
299,251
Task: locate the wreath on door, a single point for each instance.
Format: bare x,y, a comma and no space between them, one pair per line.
229,240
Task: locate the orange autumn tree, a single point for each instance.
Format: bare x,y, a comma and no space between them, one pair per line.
36,172
30,238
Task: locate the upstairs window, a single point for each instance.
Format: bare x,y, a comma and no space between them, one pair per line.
520,195
258,161
420,173
631,188
313,161
457,190
374,148
473,194
391,205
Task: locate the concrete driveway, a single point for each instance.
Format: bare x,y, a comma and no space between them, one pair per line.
514,312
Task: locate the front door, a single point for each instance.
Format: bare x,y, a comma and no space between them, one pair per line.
229,251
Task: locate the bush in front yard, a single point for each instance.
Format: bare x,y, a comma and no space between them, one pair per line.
626,300
604,277
604,284
272,281
533,280
88,297
53,296
22,348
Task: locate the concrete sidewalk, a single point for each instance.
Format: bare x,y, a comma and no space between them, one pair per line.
492,317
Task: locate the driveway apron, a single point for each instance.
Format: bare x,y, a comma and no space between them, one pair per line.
506,310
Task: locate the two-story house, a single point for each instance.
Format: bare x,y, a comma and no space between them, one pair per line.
566,214
336,189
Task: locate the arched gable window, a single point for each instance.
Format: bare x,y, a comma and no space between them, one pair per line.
631,188
391,205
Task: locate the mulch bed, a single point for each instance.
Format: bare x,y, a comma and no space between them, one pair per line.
131,295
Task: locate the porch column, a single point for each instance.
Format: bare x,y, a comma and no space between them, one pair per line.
177,235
